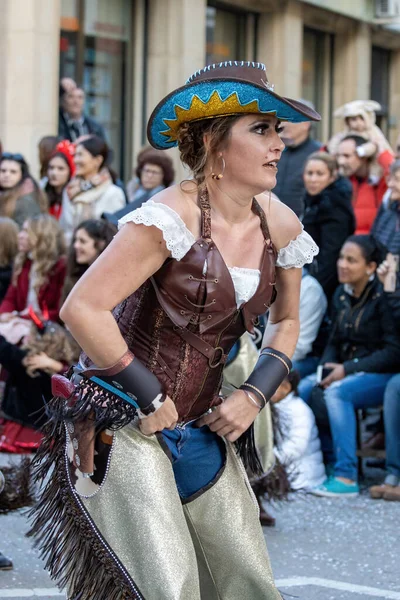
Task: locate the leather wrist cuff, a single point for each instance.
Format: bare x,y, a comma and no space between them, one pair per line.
132,381
271,369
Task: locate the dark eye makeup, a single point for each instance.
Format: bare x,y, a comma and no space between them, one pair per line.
263,126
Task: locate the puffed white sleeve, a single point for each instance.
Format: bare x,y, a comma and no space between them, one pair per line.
177,236
298,252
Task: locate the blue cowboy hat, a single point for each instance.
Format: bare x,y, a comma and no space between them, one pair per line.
227,88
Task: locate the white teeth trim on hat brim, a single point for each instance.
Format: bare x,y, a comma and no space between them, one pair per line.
227,63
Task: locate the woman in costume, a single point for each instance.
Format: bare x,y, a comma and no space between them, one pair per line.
164,511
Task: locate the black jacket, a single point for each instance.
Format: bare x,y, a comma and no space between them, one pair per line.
289,179
329,219
386,227
393,299
363,336
24,396
91,126
5,280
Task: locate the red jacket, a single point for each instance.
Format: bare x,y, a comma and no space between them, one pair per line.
367,196
49,293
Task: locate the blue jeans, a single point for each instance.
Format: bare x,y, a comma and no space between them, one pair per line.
362,390
391,413
197,454
306,366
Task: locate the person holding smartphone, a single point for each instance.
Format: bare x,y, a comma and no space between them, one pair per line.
386,227
390,488
362,354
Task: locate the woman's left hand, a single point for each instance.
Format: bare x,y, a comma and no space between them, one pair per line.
336,374
231,418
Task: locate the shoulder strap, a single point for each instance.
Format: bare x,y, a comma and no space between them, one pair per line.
205,214
256,208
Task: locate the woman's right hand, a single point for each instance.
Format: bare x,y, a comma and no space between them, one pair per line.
166,417
383,271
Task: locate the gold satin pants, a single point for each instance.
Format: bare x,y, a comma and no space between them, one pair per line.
211,548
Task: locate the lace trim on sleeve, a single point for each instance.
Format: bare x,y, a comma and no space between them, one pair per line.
298,252
177,236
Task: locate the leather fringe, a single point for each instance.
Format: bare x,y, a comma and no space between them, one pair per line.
90,400
17,491
274,486
75,554
246,448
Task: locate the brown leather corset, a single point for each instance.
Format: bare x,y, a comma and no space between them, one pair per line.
182,323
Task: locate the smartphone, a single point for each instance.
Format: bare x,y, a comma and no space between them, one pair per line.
391,278
322,372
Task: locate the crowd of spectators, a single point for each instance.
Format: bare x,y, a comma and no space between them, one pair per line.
348,353
51,230
347,194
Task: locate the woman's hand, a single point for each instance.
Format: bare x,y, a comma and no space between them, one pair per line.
383,271
336,374
41,362
231,418
73,188
166,417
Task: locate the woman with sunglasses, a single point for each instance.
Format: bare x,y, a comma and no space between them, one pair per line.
20,195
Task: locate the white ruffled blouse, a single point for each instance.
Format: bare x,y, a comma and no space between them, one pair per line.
179,240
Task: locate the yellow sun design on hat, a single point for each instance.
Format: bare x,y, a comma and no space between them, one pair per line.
204,110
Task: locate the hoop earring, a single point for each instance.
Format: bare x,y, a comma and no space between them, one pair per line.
220,175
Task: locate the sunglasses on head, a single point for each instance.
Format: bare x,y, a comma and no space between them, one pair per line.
10,156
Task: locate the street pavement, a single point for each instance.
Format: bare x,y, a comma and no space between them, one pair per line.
320,549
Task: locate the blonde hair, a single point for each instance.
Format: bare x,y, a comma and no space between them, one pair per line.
8,241
191,145
47,246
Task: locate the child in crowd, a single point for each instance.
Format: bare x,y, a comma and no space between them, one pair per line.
8,250
359,118
297,444
48,349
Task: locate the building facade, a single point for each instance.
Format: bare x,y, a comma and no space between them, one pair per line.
127,54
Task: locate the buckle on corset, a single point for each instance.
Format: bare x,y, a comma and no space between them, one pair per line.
218,357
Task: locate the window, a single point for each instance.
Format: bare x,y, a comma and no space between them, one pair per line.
230,35
95,48
380,68
70,25
317,77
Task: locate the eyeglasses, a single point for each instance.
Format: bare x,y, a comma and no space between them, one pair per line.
151,172
10,156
